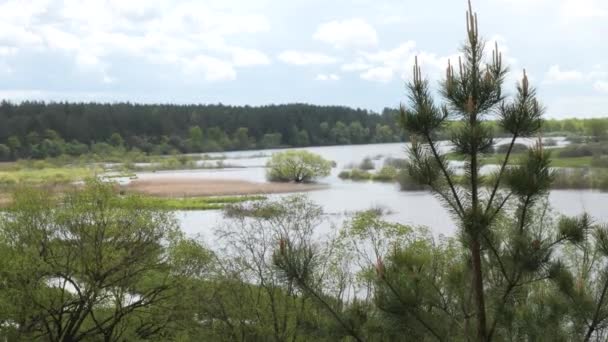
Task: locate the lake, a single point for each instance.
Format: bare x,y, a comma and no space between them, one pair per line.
342,197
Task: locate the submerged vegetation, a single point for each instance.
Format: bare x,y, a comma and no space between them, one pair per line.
187,203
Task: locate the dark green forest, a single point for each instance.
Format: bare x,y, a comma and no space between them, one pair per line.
38,130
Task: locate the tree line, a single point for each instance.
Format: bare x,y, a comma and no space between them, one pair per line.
40,130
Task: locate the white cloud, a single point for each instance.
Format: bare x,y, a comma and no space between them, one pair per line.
327,77
356,66
378,74
355,33
305,58
248,57
583,9
92,31
601,86
383,65
557,75
211,69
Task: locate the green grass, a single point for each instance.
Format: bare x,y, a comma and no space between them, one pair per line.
193,203
45,176
556,160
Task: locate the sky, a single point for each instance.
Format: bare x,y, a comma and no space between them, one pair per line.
356,53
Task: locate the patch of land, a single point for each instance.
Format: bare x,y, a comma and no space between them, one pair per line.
183,187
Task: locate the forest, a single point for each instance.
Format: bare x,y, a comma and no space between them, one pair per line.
38,130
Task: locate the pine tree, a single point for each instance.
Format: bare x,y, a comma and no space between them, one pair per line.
473,95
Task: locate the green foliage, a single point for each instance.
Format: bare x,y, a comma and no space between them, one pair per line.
473,96
189,203
83,269
583,178
297,166
517,148
356,175
5,153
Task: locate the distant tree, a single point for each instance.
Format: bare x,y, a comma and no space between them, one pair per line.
195,138
32,138
15,145
52,148
341,133
597,129
270,140
383,134
116,140
325,132
5,153
302,138
358,133
297,166
241,138
74,148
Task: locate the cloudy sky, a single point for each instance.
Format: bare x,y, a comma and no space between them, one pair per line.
355,53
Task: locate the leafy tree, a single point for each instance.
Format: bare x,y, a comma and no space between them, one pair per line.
596,128
5,153
15,145
75,148
297,166
341,133
116,140
383,134
84,268
270,140
357,133
302,138
195,138
241,138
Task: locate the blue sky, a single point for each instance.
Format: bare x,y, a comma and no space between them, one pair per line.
355,53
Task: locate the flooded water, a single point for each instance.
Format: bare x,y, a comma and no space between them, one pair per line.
342,197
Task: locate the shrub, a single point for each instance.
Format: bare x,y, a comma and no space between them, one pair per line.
407,183
386,174
397,163
297,166
517,148
600,161
576,151
367,164
356,175
576,139
550,142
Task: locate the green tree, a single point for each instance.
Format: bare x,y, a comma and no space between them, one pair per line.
596,128
116,140
383,134
358,133
5,153
297,166
241,138
85,268
15,145
472,95
341,133
302,138
270,140
195,138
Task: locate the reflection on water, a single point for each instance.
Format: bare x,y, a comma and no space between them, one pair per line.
343,197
